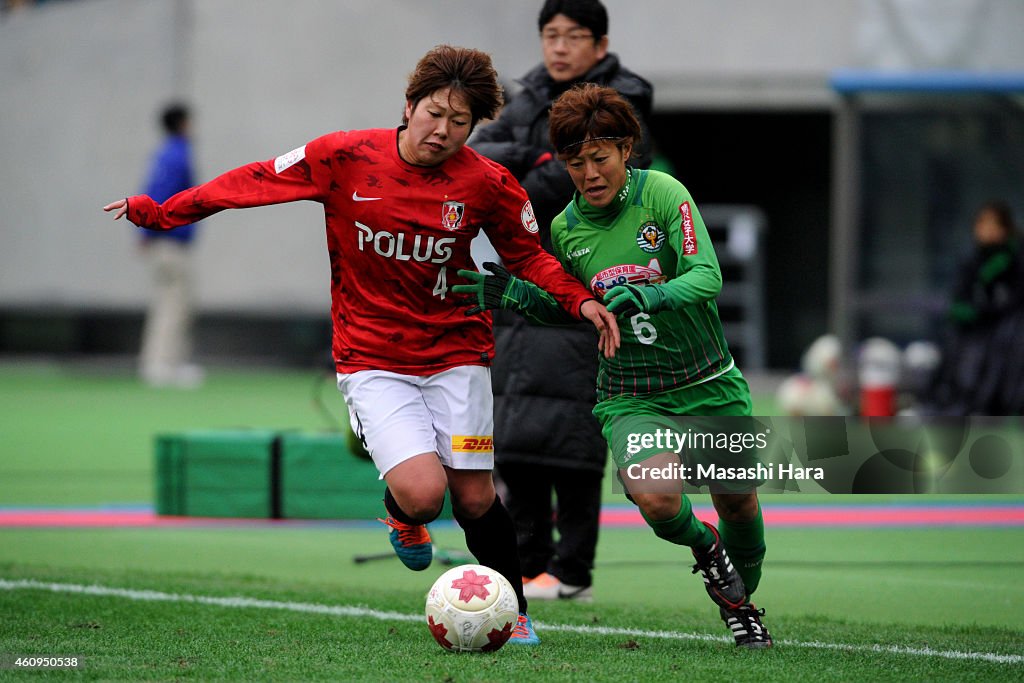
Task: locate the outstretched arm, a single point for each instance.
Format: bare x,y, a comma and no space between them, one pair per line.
284,179
502,289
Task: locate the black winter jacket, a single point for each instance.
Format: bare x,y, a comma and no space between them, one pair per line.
520,134
544,377
982,369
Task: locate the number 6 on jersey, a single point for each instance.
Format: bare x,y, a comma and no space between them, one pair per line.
643,328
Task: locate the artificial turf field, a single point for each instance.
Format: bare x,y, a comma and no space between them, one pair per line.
287,602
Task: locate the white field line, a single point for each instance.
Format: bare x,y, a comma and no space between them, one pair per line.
366,612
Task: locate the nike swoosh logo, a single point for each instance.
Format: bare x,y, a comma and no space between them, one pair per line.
357,198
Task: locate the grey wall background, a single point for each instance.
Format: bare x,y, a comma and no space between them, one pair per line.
81,82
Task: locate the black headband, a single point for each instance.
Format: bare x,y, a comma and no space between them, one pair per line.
585,141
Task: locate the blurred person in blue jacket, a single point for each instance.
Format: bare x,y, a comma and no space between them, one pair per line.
165,358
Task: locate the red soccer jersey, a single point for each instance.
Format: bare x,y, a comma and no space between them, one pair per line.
396,234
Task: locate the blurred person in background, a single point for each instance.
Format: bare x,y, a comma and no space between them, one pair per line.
982,368
636,237
401,207
546,438
7,6
166,354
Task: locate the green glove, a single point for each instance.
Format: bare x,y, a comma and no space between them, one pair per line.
628,300
487,292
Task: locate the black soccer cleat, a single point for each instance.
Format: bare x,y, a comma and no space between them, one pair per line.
747,629
722,581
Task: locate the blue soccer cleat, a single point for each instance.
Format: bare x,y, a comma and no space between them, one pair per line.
523,633
411,543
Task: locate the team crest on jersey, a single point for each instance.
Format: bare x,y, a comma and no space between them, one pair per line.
451,214
628,274
650,237
528,218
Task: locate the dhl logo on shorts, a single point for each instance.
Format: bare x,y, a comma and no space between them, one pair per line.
472,444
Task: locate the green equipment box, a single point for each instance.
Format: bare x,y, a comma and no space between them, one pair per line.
265,474
214,474
321,479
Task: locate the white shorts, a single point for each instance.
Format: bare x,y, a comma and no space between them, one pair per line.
399,416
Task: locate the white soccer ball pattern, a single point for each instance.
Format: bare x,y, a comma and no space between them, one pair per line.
471,608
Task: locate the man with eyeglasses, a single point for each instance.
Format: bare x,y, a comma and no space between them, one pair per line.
546,438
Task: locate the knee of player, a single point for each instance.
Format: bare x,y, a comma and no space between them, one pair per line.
424,505
735,507
658,506
472,504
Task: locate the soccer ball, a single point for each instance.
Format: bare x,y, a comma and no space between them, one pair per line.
471,608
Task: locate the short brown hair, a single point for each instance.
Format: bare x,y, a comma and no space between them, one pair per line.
589,112
466,71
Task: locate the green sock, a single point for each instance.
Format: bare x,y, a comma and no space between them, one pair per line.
683,529
744,541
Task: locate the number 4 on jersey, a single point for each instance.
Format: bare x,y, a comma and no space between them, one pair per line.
441,286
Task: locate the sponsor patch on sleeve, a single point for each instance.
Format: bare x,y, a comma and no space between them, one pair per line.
288,160
472,444
689,234
529,220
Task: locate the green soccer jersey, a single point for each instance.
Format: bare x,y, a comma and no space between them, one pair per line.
651,234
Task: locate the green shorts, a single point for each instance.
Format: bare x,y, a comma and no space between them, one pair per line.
705,424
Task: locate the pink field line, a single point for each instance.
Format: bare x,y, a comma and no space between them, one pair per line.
123,519
856,515
611,517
